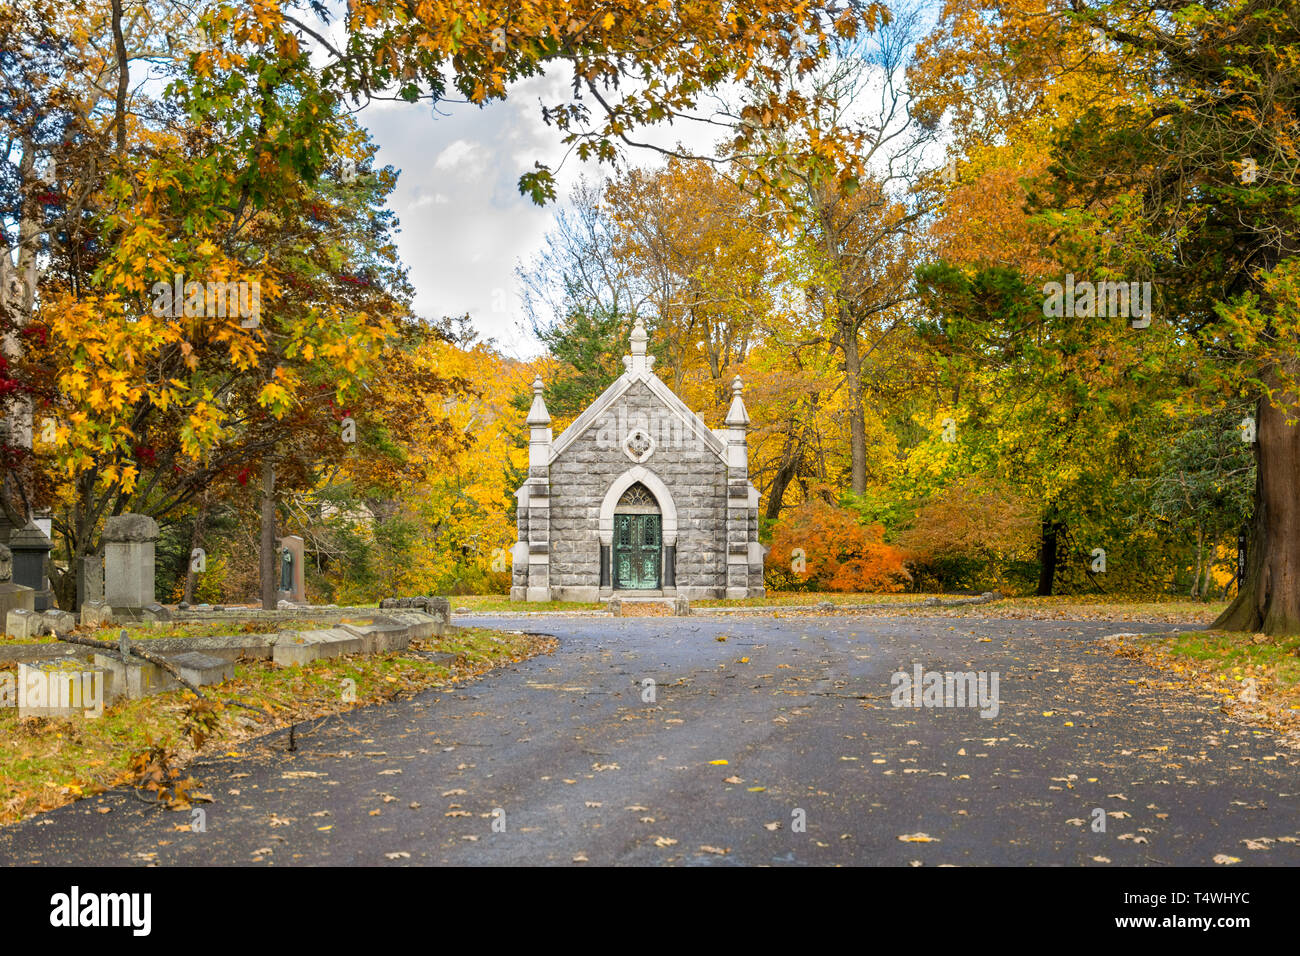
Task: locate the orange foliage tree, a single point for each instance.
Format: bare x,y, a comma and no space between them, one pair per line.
966,533
821,547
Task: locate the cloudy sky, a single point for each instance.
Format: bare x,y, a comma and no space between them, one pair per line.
464,225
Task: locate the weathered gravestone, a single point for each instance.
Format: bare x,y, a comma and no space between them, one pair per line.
129,541
13,597
31,553
90,578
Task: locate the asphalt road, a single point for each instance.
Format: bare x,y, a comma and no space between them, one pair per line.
560,760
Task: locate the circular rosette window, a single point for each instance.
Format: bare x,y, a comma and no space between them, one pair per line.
639,445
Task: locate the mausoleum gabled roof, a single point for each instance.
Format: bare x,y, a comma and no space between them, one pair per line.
639,365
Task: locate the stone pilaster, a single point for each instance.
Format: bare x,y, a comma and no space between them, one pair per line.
538,498
737,423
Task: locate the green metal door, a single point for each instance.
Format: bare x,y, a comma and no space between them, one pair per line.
637,545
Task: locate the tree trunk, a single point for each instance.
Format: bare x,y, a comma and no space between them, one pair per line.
196,541
1196,577
791,458
1269,600
1047,557
268,534
857,424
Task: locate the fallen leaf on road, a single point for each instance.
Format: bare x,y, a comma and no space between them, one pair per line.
774,825
717,763
733,779
580,858
716,851
399,855
665,841
1225,860
917,838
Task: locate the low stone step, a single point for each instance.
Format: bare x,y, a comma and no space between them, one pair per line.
620,606
133,678
303,647
202,669
423,626
381,638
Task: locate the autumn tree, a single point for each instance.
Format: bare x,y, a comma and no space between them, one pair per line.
226,301
857,237
1197,170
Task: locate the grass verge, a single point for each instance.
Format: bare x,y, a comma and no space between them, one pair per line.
47,762
1094,607
1256,677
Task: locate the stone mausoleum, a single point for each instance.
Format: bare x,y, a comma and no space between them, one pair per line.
638,497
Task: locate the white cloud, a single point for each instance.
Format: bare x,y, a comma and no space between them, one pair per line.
464,225
457,154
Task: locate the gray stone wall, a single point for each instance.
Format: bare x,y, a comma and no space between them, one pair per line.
695,475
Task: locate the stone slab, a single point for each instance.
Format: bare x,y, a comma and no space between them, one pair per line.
303,647
22,623
624,606
15,597
423,626
58,622
96,613
381,638
134,678
202,669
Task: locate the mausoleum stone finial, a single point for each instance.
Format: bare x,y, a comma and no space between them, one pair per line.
639,361
538,415
737,417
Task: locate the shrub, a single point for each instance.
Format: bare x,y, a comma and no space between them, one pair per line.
818,546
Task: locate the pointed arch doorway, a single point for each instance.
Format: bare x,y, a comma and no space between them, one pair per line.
641,528
638,540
